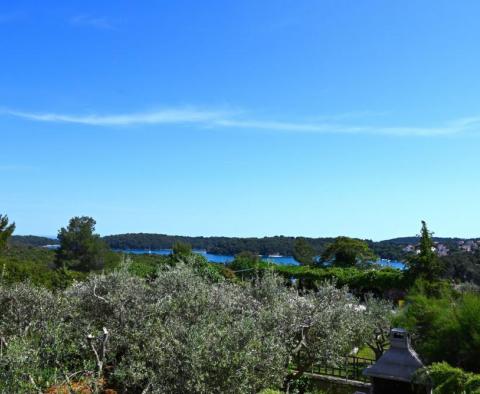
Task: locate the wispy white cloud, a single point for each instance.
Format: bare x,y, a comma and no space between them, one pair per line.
349,116
237,120
335,128
96,22
167,116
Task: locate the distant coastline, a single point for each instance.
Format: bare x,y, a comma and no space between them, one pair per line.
276,248
223,259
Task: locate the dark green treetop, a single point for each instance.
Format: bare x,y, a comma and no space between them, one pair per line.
80,248
425,263
6,230
181,249
245,264
348,252
303,252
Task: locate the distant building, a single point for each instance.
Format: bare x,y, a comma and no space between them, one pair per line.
409,248
468,246
416,249
441,249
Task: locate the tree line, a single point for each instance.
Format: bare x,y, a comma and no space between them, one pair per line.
282,245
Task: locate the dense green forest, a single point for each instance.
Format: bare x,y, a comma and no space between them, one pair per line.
37,264
32,240
233,245
217,245
387,249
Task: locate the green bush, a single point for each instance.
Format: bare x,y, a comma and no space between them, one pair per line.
18,264
179,332
21,263
446,379
378,281
445,325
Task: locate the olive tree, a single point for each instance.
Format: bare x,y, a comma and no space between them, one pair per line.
378,315
40,341
181,332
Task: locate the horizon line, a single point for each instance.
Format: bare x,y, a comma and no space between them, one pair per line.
53,237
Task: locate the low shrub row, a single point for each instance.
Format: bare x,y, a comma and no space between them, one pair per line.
388,282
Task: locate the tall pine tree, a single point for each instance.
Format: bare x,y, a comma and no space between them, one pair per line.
425,264
6,230
80,248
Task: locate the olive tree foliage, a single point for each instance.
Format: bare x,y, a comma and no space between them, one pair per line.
39,338
327,325
378,316
181,332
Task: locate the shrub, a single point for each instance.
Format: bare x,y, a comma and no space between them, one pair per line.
182,331
444,324
361,282
449,380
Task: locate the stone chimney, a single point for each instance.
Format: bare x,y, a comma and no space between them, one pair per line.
393,372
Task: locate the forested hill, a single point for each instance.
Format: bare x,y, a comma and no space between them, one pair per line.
389,249
232,245
32,240
217,245
413,240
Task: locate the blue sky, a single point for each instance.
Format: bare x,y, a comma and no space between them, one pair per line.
241,118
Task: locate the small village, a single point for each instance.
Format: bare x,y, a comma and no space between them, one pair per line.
441,249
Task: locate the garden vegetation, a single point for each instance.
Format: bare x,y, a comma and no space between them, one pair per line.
86,319
184,331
